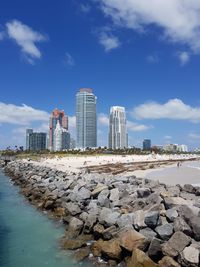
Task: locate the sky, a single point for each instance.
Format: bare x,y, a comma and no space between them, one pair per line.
143,55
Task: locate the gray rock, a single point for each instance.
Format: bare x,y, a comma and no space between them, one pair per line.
75,227
138,221
148,233
125,220
114,197
73,208
83,194
172,202
171,214
143,192
103,198
189,257
108,217
189,188
151,219
176,244
182,226
164,231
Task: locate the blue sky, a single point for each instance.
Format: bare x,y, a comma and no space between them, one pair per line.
142,55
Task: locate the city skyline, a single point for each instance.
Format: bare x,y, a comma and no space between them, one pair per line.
150,67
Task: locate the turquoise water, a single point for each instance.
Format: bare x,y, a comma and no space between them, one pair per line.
27,237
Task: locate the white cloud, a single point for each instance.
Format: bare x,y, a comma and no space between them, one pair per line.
108,40
26,38
152,58
167,137
194,136
21,115
184,57
136,127
69,60
103,119
174,109
85,8
179,20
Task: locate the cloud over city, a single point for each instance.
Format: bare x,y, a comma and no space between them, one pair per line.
26,38
174,109
178,20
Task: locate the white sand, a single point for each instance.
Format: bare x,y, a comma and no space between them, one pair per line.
75,163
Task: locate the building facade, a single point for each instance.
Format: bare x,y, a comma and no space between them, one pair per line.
117,128
28,132
56,116
61,138
147,144
37,141
86,122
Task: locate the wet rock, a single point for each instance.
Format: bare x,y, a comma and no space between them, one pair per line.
171,214
182,226
81,254
189,257
73,244
176,244
140,259
108,249
168,262
49,204
75,227
164,231
151,219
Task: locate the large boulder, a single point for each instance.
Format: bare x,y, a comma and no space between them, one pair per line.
165,231
140,259
139,217
181,225
126,220
143,192
171,214
172,202
108,249
75,227
131,239
73,208
83,194
148,233
108,217
151,219
98,189
189,257
114,197
176,244
103,200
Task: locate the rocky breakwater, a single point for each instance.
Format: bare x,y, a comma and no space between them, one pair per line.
116,219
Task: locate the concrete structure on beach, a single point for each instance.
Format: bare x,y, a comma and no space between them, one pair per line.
118,137
86,122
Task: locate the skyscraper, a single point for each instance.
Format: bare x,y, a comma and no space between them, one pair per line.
117,128
61,138
86,122
56,116
37,141
28,132
147,144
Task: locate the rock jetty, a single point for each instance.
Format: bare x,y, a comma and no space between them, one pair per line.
115,219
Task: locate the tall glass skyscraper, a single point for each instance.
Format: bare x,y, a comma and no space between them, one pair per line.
28,132
56,116
117,128
86,122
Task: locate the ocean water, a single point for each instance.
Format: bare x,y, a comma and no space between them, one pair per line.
27,237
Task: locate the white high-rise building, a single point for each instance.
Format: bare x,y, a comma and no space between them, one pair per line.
86,124
61,138
117,128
